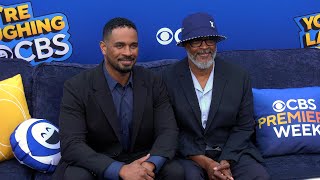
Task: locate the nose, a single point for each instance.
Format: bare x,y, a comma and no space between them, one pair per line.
204,45
127,51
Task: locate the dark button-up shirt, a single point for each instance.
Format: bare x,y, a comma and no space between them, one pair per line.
123,101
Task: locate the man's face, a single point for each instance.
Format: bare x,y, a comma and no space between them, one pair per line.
201,52
120,49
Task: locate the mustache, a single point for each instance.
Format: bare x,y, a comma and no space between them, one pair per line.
127,58
204,51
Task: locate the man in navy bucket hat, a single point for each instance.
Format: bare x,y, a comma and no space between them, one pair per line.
213,105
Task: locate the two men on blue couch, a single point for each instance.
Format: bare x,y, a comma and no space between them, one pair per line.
213,105
116,120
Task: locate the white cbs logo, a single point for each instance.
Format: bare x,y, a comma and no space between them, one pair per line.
41,48
165,35
294,104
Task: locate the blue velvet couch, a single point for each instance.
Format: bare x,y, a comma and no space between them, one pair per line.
268,69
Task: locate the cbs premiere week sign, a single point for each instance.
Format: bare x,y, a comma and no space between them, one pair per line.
33,39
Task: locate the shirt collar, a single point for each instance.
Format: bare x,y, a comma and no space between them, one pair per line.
112,83
209,84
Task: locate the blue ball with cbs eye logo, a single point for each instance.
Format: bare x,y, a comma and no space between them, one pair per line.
35,143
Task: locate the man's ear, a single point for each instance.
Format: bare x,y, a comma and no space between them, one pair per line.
103,47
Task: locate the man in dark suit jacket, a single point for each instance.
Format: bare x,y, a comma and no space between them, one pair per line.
212,102
116,120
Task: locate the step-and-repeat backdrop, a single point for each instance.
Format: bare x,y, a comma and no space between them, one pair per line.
70,31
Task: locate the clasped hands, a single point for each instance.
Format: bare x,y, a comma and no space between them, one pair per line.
138,169
219,171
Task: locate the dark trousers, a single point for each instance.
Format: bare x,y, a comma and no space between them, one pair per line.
246,169
171,170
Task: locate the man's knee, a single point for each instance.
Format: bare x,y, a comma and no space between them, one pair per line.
264,177
262,174
171,170
254,175
74,172
248,168
192,170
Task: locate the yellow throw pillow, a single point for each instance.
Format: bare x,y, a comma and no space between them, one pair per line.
13,110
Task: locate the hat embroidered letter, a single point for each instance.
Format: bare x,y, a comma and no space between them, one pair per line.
212,25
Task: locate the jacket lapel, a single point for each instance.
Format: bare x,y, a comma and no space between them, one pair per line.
219,83
139,99
104,98
188,88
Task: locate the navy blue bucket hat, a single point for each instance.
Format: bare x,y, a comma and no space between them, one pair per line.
199,25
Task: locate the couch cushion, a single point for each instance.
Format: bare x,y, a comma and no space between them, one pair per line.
279,68
288,120
293,167
42,176
13,170
11,67
158,66
48,83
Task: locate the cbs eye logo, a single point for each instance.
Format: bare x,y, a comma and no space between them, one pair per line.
165,36
278,106
294,104
5,52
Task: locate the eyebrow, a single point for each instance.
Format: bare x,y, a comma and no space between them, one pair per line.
123,43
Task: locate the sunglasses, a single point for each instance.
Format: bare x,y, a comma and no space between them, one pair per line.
198,42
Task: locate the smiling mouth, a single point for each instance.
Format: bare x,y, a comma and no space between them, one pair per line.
54,139
204,54
126,62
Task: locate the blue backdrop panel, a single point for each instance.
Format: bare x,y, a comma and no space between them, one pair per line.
248,24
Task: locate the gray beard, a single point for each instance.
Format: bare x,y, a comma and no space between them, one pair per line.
202,65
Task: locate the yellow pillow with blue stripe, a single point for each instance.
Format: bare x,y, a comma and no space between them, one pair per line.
13,111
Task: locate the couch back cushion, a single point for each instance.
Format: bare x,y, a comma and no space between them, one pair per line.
159,65
48,87
279,68
12,67
50,77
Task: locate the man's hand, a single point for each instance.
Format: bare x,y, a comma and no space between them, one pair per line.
136,171
225,169
218,171
148,165
213,172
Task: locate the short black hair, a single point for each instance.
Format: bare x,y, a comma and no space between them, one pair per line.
115,23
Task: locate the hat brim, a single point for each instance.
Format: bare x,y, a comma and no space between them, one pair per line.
218,39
